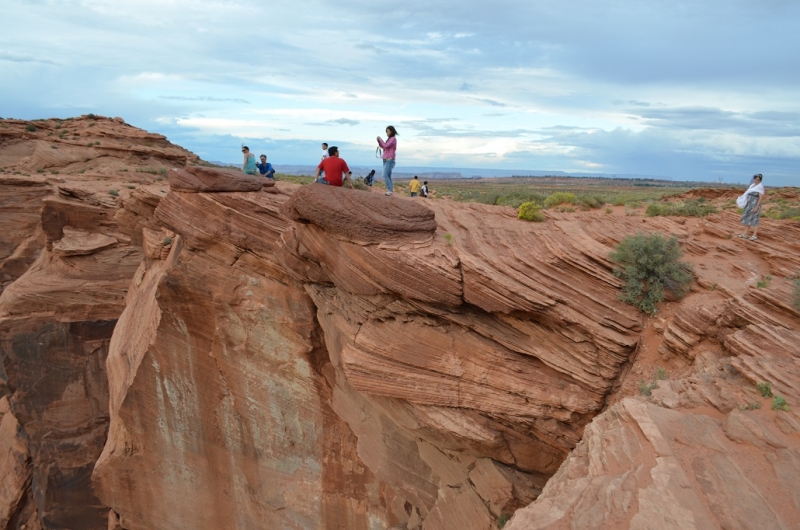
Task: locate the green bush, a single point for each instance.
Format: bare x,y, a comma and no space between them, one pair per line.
779,403
651,268
690,208
559,197
530,211
796,294
764,388
31,128
115,193
588,202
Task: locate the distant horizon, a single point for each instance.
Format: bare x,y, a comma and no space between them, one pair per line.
699,91
484,173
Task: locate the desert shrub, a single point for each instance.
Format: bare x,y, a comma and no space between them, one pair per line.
750,406
31,128
530,211
650,267
91,116
779,403
660,374
646,388
449,238
502,520
588,202
166,241
609,210
689,208
764,388
162,171
115,193
559,197
764,282
796,294
358,183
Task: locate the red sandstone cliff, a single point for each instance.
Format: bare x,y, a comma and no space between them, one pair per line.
325,358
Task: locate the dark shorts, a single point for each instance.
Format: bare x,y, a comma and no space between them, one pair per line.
414,193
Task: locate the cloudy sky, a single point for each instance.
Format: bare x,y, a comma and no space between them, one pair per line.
684,89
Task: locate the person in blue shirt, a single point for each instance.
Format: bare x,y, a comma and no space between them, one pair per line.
265,168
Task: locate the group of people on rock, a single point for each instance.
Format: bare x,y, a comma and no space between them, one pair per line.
333,171
250,166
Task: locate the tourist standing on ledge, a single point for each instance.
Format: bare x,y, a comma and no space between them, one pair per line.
414,186
265,168
324,155
752,209
389,149
249,163
335,168
424,189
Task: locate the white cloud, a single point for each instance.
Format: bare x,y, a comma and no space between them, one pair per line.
618,86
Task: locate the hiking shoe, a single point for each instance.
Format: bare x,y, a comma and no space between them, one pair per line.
753,238
743,236
388,193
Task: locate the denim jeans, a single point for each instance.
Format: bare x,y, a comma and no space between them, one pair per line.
388,166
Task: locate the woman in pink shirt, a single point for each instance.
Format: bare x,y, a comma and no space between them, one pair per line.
389,150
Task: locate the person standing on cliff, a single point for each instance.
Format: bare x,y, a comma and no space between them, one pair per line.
249,162
389,150
335,168
752,209
414,186
324,156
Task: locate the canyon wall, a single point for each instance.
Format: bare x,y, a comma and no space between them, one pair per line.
228,354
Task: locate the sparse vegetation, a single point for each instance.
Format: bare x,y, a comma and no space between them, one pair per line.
651,268
358,183
167,241
796,294
502,520
131,187
560,197
763,283
91,116
779,403
162,171
31,128
115,193
689,208
609,210
449,238
755,405
54,172
530,211
646,389
765,388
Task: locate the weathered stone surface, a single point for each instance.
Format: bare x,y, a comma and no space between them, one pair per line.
359,216
312,357
21,239
194,179
81,243
15,469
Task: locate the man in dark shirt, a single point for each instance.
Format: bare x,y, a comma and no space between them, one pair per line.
335,168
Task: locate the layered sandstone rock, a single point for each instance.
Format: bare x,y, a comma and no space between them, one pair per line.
316,357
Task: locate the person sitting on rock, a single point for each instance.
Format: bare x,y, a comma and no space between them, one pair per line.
335,168
249,163
265,168
414,186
